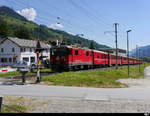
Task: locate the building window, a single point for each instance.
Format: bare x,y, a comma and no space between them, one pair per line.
10,59
32,59
14,59
26,59
22,49
30,49
13,49
3,60
2,50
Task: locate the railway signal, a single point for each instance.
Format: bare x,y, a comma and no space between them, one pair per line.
38,50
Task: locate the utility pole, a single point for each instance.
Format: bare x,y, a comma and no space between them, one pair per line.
116,41
128,49
136,51
139,50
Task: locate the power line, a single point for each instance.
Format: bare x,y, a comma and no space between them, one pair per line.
95,11
68,22
86,12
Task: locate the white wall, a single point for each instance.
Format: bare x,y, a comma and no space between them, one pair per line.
32,54
7,46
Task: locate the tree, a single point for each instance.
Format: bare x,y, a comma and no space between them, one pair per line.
4,29
92,45
23,32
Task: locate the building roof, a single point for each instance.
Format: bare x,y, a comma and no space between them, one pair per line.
1,39
26,43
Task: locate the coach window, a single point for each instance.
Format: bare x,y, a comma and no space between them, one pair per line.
90,53
103,56
76,52
87,53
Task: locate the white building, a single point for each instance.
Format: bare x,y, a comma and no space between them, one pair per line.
14,50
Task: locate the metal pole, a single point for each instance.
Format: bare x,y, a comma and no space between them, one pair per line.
38,71
1,99
128,49
116,24
139,59
23,77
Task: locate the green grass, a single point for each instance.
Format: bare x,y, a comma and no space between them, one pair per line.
99,79
42,70
14,109
14,105
9,74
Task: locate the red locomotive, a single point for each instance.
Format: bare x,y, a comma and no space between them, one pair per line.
65,57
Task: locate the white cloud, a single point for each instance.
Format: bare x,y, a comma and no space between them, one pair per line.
70,33
57,25
28,13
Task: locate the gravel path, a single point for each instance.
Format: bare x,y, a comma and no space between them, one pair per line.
62,105
138,83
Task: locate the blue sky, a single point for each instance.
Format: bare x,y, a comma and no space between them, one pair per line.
92,18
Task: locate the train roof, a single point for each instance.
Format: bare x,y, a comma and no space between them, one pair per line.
70,46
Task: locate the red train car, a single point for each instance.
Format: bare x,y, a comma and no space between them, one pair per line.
100,58
66,57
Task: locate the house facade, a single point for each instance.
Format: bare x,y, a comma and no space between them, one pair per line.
13,50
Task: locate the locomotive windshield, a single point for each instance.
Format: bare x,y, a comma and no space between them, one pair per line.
60,52
54,52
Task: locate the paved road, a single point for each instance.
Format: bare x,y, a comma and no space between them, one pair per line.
78,92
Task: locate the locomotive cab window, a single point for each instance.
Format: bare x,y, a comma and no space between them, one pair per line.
53,52
76,52
87,53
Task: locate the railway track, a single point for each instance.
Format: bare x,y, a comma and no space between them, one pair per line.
101,68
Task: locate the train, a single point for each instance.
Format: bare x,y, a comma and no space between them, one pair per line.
65,57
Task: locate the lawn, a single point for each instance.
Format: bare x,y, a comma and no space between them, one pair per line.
7,74
98,79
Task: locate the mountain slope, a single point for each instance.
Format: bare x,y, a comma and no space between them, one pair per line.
144,51
6,11
18,26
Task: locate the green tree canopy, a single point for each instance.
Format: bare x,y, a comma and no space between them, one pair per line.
4,29
22,32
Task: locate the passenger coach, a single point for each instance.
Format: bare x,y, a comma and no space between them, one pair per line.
65,57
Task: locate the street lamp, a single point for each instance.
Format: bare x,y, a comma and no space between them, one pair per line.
128,48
